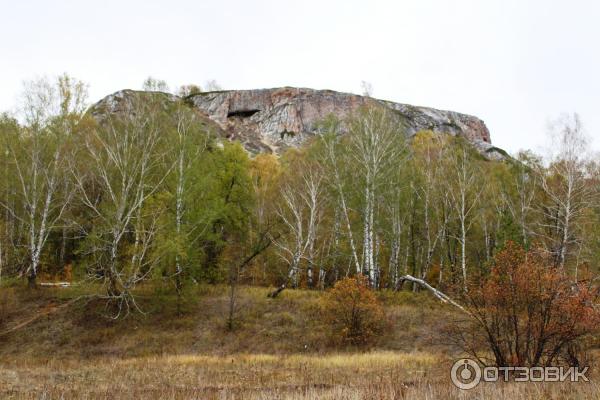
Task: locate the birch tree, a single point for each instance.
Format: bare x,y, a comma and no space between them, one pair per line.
36,154
396,215
300,213
519,194
375,146
567,189
465,190
429,150
122,168
334,164
191,142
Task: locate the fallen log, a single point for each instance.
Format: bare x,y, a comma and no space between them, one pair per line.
444,298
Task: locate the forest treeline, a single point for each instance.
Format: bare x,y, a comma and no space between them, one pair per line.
153,195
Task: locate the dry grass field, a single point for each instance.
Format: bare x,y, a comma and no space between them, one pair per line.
279,350
375,375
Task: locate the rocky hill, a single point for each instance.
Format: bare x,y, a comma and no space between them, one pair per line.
271,120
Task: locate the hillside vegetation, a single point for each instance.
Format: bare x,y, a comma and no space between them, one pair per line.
280,350
135,238
289,324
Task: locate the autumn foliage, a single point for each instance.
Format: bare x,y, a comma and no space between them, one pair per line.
527,312
353,312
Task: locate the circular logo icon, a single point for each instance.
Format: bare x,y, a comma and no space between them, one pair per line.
465,374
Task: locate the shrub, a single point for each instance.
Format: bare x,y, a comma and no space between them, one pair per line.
527,312
353,312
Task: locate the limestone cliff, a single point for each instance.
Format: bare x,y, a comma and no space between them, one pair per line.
274,119
271,120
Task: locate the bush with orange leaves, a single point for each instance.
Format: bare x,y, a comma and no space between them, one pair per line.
527,312
353,312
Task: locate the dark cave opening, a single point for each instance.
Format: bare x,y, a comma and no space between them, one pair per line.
242,113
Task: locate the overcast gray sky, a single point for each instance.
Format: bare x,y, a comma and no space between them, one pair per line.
515,64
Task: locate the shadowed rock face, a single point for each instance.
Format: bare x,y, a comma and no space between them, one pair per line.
270,120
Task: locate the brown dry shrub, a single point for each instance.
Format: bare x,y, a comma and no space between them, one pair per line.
353,312
527,312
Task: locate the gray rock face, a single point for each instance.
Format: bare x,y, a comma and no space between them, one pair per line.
270,120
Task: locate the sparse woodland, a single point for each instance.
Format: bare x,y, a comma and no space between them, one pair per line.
153,198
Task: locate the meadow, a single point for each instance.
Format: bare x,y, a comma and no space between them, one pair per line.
279,349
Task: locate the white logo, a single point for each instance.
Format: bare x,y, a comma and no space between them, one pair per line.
465,374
